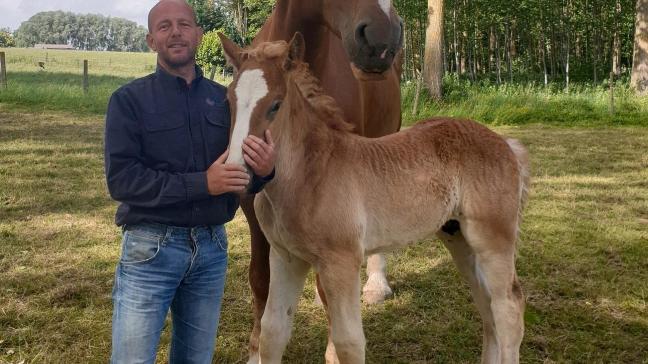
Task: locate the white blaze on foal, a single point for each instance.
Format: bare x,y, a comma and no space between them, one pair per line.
251,88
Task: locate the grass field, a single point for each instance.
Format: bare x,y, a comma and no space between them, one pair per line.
583,257
583,252
58,86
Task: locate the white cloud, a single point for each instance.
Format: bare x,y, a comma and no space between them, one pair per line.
13,12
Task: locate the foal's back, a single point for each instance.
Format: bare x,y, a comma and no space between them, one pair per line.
412,182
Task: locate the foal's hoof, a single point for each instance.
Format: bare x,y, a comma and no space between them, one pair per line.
376,291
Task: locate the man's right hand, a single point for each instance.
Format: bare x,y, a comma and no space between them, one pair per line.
223,178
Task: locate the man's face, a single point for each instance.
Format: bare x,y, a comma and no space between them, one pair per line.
173,33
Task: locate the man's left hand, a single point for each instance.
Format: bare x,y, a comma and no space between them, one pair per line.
259,154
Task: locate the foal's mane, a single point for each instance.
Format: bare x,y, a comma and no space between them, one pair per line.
308,85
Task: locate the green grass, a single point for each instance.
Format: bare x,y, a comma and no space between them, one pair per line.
583,258
517,104
58,86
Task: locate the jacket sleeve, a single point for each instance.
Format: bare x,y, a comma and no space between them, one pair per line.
129,180
259,182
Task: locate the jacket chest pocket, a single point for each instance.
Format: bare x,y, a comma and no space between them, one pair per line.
217,128
166,140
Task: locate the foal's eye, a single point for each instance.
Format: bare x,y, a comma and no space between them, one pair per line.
273,109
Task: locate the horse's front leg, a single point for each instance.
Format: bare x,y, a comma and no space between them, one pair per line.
340,281
287,275
259,274
376,290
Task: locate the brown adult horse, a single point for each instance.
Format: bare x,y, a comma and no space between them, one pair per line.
352,45
337,196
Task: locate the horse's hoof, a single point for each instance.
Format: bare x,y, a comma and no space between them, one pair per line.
376,290
254,359
375,297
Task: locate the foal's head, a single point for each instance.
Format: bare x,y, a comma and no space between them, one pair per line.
269,76
259,87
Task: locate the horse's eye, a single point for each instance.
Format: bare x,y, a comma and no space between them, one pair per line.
273,109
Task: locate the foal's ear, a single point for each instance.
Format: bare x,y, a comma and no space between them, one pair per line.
232,51
296,50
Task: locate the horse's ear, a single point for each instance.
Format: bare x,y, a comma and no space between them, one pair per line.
296,50
232,51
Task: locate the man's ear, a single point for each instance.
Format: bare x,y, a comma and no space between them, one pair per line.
151,42
232,51
296,51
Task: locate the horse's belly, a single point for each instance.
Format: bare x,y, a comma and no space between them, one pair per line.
407,223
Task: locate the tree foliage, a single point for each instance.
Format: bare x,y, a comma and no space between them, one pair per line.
6,38
525,40
210,52
85,32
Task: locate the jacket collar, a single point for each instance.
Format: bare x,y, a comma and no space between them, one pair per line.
170,80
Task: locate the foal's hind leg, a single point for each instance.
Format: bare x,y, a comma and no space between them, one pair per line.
377,289
493,244
464,258
259,274
286,283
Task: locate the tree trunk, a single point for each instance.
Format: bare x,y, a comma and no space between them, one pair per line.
639,80
433,67
456,42
616,42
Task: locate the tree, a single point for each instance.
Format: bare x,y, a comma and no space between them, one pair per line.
639,80
209,15
210,52
433,64
87,32
6,38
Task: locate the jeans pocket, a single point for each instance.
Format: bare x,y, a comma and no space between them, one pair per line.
139,247
219,236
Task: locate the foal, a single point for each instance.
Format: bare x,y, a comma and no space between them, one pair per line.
337,197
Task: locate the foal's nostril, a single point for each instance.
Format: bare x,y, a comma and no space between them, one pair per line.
361,33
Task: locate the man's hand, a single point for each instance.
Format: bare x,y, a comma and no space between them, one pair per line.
259,155
223,178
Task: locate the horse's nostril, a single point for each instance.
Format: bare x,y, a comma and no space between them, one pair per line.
361,33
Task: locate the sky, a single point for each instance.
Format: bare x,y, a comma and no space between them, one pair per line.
14,12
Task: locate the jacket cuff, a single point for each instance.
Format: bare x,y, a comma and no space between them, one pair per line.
196,185
259,182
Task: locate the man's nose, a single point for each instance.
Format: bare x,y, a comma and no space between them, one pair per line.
175,29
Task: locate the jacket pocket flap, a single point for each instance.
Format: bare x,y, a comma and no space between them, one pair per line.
163,121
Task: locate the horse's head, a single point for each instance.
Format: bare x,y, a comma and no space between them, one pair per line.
259,87
371,31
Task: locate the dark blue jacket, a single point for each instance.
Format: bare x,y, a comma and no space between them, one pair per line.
161,136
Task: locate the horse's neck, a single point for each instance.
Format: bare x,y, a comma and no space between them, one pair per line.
289,17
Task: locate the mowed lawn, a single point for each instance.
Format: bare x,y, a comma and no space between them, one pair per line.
583,258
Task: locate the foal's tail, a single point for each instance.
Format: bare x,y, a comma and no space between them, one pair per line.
522,156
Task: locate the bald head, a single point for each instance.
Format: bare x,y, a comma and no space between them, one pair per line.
169,6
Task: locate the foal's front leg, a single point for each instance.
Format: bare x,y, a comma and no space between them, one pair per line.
340,281
287,275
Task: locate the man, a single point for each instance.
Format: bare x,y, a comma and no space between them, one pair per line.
165,152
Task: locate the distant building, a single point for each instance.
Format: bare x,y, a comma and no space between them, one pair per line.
54,46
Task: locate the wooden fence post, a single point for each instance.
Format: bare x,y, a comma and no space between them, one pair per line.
3,70
612,93
85,77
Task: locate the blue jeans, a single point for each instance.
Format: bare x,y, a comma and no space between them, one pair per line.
164,267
